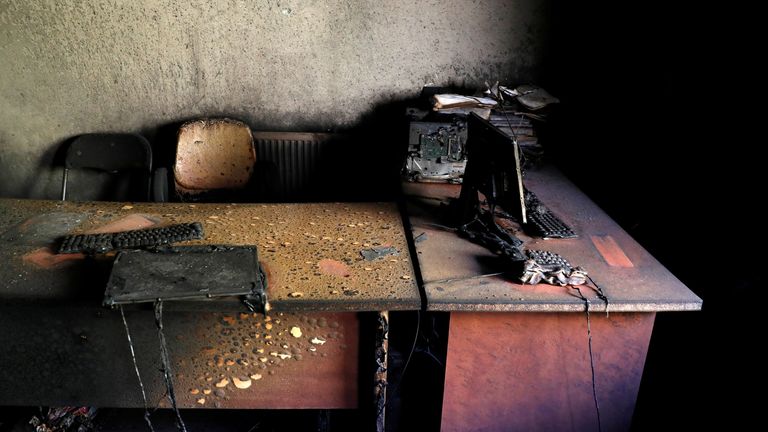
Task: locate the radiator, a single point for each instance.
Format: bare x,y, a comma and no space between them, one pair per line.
295,164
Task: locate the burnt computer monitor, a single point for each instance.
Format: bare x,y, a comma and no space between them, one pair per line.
493,169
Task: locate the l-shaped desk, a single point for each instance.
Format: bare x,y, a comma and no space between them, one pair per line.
518,356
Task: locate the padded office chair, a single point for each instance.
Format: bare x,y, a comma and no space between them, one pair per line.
215,159
122,162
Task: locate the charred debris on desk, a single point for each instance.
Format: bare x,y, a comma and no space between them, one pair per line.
164,273
438,127
187,273
256,345
481,149
148,269
476,133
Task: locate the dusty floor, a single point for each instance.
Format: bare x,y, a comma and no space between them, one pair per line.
130,420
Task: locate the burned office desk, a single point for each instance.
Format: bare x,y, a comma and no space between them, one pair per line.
61,347
518,355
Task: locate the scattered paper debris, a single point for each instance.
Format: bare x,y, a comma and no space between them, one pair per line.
533,97
443,101
241,383
317,341
378,252
296,332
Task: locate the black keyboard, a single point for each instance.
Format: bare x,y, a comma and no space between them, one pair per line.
152,237
542,222
552,268
549,260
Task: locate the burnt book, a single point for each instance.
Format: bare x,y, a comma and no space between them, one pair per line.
186,273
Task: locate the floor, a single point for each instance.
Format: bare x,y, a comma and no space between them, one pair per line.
131,420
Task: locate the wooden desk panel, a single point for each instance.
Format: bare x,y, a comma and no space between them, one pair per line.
531,371
80,356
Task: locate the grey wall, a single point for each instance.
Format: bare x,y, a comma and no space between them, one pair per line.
68,68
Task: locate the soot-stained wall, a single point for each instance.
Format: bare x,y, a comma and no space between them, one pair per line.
69,68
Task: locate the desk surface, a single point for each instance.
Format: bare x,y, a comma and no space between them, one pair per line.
310,252
453,269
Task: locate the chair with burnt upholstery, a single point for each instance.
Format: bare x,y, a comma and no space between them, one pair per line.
214,161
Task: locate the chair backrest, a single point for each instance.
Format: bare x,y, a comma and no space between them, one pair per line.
213,154
111,153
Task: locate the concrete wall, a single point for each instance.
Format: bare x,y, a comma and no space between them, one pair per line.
68,68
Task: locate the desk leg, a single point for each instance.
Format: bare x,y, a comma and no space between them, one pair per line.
531,371
380,378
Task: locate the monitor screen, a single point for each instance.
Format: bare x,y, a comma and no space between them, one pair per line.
493,168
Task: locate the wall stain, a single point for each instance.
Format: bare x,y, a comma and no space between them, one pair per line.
113,66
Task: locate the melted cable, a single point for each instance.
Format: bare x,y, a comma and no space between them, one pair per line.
167,375
591,357
138,375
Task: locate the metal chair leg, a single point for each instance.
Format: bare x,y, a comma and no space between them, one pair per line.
64,185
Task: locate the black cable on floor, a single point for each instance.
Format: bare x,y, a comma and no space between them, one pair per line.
138,375
591,358
167,374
